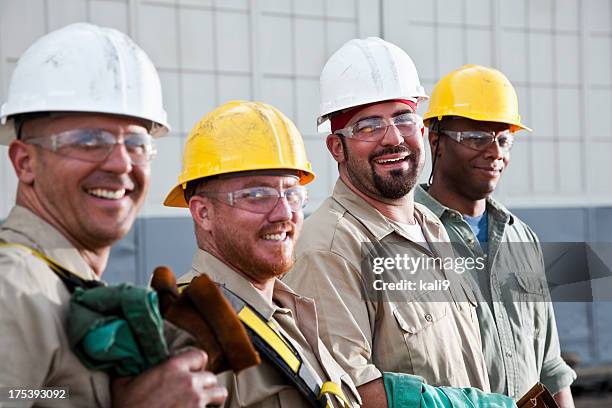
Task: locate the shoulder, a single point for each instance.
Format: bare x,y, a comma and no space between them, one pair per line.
331,228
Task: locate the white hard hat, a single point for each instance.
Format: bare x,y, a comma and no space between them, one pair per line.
84,68
366,71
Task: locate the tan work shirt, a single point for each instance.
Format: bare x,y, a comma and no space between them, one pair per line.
34,302
517,319
295,317
438,340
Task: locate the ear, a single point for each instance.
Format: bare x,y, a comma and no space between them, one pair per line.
22,157
335,147
434,139
201,211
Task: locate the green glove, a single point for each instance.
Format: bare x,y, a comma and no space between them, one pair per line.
410,391
117,329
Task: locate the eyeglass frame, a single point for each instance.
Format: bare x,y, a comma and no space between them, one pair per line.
50,143
348,131
231,200
494,137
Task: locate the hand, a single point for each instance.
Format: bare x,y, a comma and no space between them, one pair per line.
181,381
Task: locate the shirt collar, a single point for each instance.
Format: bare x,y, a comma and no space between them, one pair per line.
36,233
219,272
495,208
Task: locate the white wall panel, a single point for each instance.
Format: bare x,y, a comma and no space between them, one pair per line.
598,57
570,167
514,55
540,14
478,47
598,108
540,58
157,34
315,8
309,46
566,14
419,43
277,44
451,49
542,113
341,8
110,14
232,36
600,167
567,67
65,12
307,96
514,13
450,11
280,93
339,32
478,12
569,127
172,98
164,171
234,87
16,34
198,96
283,6
544,164
598,15
399,13
196,35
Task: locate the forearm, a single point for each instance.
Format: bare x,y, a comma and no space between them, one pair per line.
564,398
373,394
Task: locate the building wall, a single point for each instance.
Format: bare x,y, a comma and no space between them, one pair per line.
557,53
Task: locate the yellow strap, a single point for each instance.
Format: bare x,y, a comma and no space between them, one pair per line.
57,268
248,317
331,387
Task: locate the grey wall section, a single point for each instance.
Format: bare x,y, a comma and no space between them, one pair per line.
584,328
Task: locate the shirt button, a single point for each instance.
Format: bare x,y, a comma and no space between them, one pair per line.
508,354
411,330
428,317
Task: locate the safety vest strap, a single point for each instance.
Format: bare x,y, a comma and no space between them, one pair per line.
71,280
281,354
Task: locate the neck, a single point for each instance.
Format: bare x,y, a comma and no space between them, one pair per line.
400,210
450,198
266,289
95,258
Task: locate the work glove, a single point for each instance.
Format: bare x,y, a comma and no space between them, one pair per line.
201,309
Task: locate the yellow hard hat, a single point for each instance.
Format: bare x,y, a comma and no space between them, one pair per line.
241,136
478,93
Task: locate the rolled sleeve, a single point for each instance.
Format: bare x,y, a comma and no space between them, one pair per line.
555,374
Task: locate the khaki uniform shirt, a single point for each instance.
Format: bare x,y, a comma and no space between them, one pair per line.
438,340
263,386
517,320
34,302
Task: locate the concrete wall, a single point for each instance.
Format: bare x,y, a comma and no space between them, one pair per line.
558,54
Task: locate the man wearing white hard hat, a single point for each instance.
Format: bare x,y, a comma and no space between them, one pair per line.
84,104
369,92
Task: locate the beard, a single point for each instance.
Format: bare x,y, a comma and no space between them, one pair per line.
394,185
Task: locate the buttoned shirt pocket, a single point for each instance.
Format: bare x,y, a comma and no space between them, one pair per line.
433,350
532,298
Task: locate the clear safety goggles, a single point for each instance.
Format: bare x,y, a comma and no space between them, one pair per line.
480,139
262,200
374,129
95,145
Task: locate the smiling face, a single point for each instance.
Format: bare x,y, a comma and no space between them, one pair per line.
94,204
471,173
389,168
260,246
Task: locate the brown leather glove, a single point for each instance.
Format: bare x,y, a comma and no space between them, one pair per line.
537,397
202,310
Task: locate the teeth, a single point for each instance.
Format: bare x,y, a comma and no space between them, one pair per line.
389,161
108,194
275,237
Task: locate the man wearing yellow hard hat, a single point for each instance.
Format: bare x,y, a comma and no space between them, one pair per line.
243,177
472,118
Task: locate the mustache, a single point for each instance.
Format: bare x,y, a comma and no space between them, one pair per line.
389,150
279,226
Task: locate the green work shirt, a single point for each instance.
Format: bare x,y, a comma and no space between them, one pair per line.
517,320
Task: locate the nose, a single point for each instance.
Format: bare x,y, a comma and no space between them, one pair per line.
281,211
392,136
118,160
494,151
